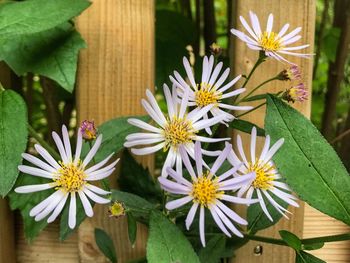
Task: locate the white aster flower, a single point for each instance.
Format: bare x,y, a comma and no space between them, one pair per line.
205,190
70,178
273,44
267,179
210,89
173,130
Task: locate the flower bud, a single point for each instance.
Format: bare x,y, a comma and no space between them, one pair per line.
292,73
88,130
296,93
116,210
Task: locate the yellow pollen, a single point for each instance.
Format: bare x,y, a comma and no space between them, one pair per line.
206,190
264,177
206,95
178,131
270,42
70,177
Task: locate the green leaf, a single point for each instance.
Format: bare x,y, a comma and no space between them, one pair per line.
13,137
132,228
257,220
256,97
292,240
313,246
166,243
308,163
65,230
304,257
25,202
114,133
246,126
213,251
139,207
34,16
52,53
105,244
137,180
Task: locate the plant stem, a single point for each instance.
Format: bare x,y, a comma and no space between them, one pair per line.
269,240
260,60
256,88
306,241
43,143
334,238
255,108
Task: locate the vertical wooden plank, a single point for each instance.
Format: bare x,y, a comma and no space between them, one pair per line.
7,234
114,73
296,13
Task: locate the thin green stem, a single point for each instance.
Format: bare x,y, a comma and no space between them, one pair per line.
306,241
269,240
43,143
335,238
256,88
260,60
255,108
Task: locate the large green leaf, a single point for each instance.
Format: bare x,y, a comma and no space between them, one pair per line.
136,179
214,250
308,163
291,239
13,137
304,257
52,53
257,220
34,16
166,243
114,133
105,244
25,202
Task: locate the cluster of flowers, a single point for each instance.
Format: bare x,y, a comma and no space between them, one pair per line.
192,107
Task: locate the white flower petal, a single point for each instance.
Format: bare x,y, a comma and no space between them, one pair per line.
253,145
269,24
229,85
72,211
227,222
222,78
172,185
178,202
58,209
66,142
45,154
148,150
34,188
144,125
94,197
218,221
59,195
86,204
78,147
189,71
35,171
42,205
201,225
96,189
231,214
263,206
190,216
38,162
273,150
178,177
198,158
99,164
93,150
157,117
60,147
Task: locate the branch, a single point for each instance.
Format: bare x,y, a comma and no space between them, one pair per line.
209,24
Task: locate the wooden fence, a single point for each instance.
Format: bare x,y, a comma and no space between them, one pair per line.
113,74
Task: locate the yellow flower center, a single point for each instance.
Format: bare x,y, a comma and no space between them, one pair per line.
206,95
270,41
206,190
117,209
264,175
178,131
70,177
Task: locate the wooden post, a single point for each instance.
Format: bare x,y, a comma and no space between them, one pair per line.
114,72
304,220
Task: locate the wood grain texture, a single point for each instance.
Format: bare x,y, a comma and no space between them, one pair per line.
114,72
296,13
46,247
7,234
